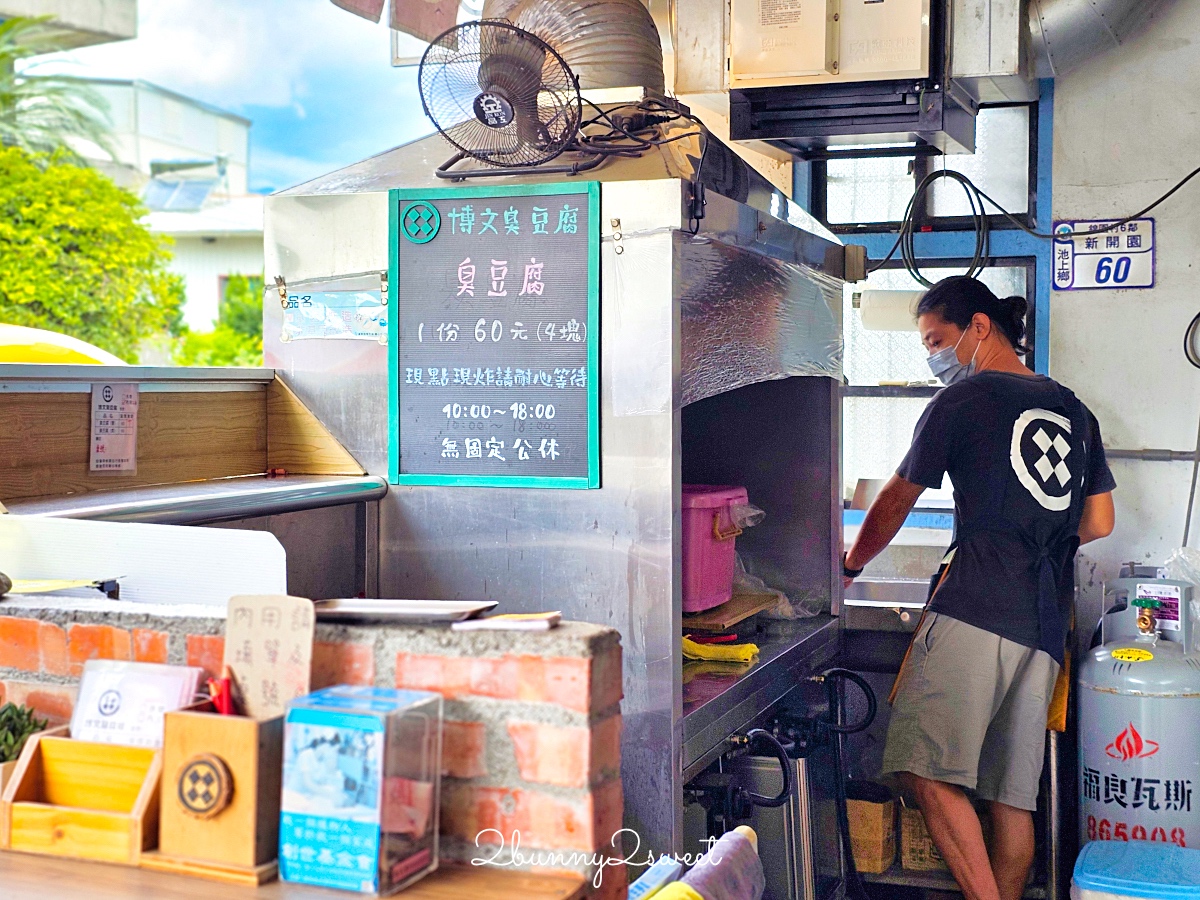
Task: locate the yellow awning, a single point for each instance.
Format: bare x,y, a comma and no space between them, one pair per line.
19,344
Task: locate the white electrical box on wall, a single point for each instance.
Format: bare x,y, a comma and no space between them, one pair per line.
795,42
773,38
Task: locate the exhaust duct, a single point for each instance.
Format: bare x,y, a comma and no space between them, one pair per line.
1065,33
607,43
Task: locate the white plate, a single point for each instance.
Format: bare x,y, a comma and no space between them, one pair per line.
401,610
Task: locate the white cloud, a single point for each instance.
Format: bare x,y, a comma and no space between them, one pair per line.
234,53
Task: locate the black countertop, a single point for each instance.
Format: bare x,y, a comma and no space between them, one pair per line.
719,700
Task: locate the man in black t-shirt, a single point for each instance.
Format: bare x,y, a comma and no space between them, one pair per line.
1030,484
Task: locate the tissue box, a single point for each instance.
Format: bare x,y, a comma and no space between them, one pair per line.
361,784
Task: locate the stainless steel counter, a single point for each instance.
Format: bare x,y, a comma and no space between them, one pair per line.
205,502
718,704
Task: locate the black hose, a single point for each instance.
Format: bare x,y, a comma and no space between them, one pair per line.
785,766
855,890
831,677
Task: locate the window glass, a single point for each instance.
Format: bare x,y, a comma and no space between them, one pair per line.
999,166
876,433
868,190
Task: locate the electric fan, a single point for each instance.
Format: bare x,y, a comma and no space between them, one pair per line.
500,94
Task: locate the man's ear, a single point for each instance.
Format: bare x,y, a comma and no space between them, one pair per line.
982,325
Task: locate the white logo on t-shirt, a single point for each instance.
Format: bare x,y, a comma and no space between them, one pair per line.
1040,463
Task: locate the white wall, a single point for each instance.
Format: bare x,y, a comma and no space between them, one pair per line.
202,264
1126,128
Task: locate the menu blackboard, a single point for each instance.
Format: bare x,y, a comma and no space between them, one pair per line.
495,336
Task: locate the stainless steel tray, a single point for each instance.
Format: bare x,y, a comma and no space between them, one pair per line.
408,611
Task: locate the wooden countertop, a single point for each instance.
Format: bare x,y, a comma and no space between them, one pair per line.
27,877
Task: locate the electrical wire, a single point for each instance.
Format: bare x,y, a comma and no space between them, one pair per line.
905,240
976,196
1189,352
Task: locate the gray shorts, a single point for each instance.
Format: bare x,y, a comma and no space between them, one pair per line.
971,711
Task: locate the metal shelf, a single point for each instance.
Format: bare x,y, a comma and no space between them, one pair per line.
935,881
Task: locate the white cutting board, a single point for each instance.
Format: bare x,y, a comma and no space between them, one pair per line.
155,563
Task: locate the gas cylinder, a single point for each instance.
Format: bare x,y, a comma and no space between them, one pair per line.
1139,716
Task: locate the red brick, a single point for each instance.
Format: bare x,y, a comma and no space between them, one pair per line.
342,664
531,679
464,749
496,678
50,702
605,750
206,651
568,683
607,808
419,672
607,679
86,642
538,820
150,646
32,646
547,754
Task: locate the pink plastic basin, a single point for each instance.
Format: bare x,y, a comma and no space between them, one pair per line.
708,544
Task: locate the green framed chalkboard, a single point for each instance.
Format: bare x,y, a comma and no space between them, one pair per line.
494,336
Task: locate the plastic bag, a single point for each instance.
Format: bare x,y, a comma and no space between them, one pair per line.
746,515
1184,565
784,608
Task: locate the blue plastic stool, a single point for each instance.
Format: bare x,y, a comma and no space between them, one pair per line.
1137,869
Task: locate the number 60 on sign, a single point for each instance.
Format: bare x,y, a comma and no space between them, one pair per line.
1099,255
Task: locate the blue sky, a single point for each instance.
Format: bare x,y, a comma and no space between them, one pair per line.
316,81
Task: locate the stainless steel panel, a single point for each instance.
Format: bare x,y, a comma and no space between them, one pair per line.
320,547
797,842
609,556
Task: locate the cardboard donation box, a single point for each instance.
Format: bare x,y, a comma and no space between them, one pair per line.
361,788
917,852
872,814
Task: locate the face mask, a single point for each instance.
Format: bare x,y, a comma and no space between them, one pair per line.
945,365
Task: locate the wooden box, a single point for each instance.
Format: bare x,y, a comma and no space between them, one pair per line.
220,797
83,800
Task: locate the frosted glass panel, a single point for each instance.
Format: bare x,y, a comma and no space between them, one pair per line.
868,190
876,433
999,166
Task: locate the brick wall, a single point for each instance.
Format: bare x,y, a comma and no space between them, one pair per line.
532,741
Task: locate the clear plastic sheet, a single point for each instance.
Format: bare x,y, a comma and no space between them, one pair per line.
785,607
748,318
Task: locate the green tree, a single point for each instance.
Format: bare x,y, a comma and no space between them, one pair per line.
40,113
75,257
237,338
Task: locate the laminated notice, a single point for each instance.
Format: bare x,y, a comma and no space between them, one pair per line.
114,428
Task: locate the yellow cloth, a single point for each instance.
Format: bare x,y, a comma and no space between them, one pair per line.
677,890
695,667
723,652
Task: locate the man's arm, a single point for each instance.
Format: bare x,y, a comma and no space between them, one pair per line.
1099,517
885,517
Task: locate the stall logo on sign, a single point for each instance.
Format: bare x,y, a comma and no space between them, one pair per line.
1131,745
421,222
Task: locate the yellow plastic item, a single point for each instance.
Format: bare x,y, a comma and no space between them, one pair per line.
725,653
677,890
750,834
19,344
